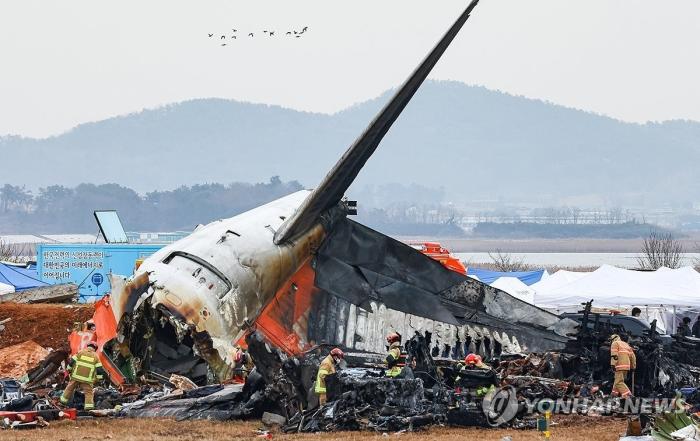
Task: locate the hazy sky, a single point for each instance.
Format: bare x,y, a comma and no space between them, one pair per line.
68,62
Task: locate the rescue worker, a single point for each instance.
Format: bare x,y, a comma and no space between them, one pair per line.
85,369
473,362
326,368
622,360
394,355
243,363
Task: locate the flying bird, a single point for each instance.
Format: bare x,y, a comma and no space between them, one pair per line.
211,35
265,32
250,35
233,36
272,33
235,30
223,37
289,32
304,29
223,44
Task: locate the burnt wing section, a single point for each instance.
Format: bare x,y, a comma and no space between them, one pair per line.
359,264
368,276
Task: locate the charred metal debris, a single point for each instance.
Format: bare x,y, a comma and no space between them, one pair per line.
432,389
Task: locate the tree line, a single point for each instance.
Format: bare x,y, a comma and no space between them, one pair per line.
58,209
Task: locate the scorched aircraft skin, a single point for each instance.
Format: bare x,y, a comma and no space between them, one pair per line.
343,283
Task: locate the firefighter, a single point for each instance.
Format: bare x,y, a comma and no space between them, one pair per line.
327,367
85,369
243,363
474,362
622,360
394,355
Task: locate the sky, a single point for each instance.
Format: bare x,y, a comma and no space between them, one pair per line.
66,63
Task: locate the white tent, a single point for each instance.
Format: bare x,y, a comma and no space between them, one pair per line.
609,286
516,288
6,289
557,280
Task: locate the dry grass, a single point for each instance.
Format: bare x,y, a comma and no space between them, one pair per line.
569,429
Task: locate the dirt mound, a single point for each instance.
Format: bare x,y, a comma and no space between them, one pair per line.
46,324
16,360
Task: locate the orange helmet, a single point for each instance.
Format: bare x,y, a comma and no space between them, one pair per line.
393,337
337,352
472,359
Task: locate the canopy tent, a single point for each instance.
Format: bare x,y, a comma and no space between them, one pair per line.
488,276
615,287
557,280
20,278
516,288
665,295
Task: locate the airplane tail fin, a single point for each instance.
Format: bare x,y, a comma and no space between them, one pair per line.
337,181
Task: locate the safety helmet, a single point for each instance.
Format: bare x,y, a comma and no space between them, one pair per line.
472,359
90,324
393,337
92,345
238,357
337,352
613,337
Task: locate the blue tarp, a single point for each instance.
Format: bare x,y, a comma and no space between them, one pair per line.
488,276
20,278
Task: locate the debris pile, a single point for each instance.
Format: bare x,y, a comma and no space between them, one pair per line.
360,397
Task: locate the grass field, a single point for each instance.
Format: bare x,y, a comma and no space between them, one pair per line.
574,428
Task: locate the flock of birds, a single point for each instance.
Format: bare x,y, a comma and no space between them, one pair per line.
234,34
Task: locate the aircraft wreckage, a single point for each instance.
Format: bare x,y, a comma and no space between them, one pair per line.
301,273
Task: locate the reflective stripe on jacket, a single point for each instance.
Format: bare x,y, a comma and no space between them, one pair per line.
85,366
622,356
326,368
393,359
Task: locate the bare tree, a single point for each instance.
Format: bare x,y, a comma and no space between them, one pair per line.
660,249
13,252
506,262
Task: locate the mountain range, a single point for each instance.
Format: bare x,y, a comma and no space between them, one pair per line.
472,142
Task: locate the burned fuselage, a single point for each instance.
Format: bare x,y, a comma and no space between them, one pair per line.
194,299
212,285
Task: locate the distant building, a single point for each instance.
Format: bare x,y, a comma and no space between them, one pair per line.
159,238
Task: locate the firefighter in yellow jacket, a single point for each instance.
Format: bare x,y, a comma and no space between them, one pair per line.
85,369
622,360
327,368
394,355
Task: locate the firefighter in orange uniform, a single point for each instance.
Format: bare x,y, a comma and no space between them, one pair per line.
327,368
622,360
